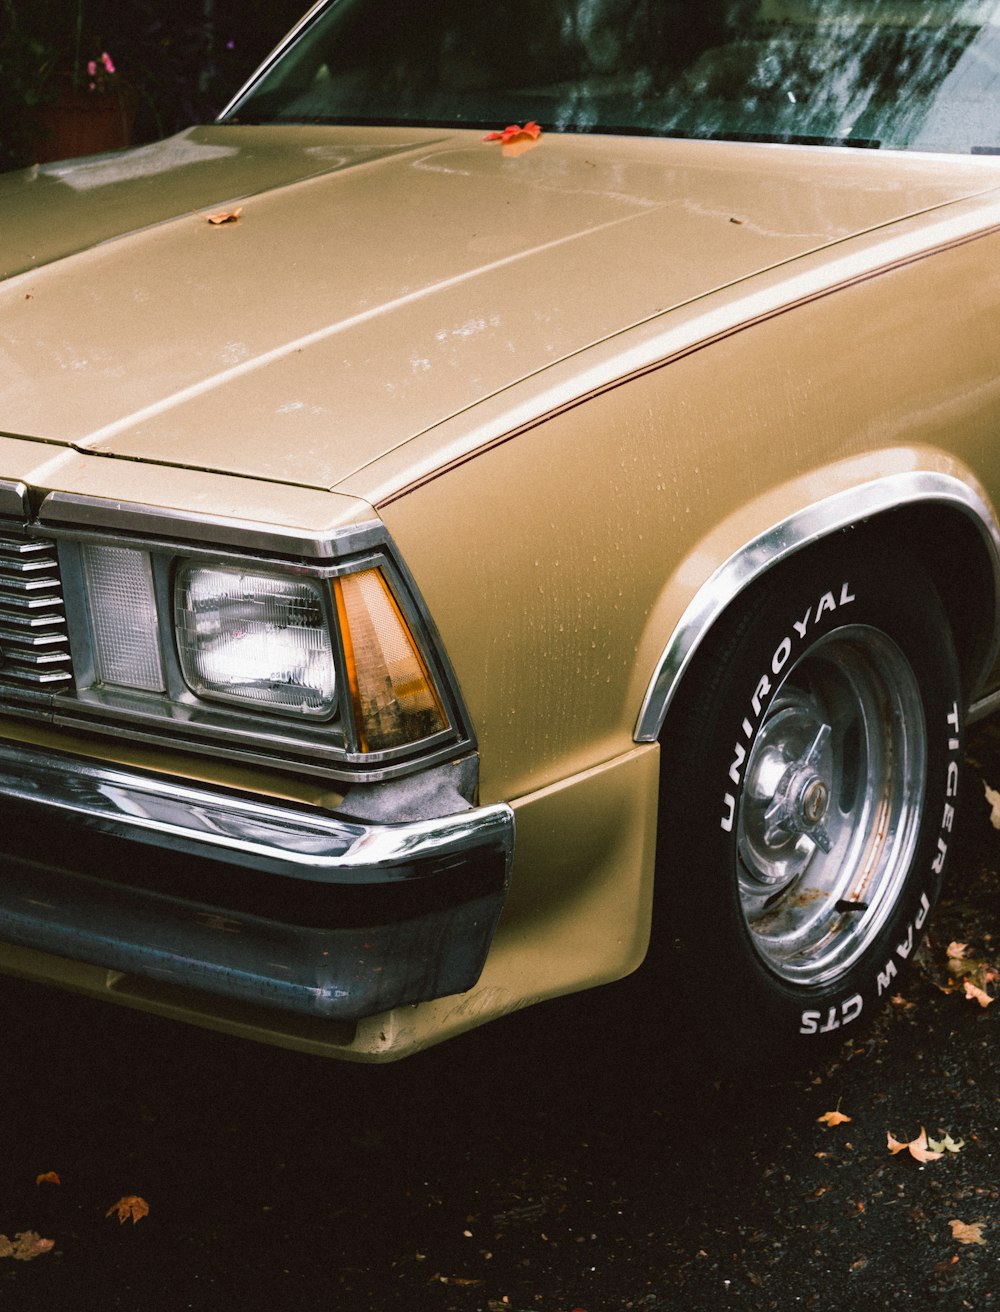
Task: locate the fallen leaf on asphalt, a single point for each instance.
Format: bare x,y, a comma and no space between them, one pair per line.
130,1206
967,1234
921,1150
49,1177
946,1144
993,797
225,216
833,1118
917,1147
976,994
898,1000
25,1245
965,972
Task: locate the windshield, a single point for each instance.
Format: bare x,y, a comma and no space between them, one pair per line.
899,74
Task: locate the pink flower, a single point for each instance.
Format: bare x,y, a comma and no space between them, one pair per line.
92,69
108,63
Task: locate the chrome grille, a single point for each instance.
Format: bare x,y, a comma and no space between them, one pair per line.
34,644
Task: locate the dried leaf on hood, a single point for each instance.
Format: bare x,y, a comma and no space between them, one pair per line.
49,1177
514,132
225,216
515,140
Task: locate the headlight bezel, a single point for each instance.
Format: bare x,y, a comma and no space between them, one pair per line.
177,716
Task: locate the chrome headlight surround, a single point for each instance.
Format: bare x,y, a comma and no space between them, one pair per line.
342,676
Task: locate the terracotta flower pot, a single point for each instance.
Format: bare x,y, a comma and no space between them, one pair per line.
84,122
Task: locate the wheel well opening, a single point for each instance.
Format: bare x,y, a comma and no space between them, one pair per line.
951,549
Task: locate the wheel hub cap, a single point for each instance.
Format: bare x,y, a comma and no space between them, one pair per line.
830,809
801,799
815,800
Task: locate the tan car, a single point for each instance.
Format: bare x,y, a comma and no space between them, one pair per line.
517,472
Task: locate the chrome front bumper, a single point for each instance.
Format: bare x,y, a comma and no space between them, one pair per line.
272,903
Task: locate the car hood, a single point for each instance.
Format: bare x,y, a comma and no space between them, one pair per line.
373,283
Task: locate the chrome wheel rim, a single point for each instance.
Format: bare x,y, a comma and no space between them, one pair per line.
831,805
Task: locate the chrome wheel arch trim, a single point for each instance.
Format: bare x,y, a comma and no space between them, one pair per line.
802,529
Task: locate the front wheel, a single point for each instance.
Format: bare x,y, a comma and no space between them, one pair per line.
810,779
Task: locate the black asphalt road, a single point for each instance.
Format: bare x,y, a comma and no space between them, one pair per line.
575,1157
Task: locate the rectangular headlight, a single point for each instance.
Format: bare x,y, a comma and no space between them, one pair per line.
255,638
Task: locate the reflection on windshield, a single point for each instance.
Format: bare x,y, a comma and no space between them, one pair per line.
892,73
